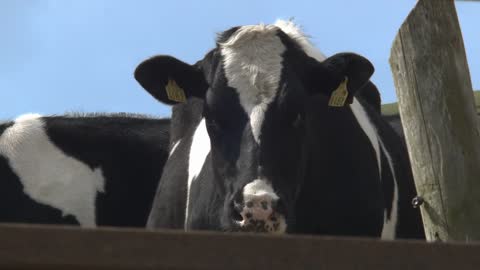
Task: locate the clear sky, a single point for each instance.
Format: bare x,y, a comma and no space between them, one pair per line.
63,55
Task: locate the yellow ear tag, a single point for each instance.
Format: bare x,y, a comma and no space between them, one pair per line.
175,92
339,96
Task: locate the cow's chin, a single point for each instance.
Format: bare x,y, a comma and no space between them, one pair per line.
279,226
276,226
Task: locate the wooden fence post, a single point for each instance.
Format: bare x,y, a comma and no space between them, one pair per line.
437,108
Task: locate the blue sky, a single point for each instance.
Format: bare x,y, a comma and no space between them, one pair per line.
63,55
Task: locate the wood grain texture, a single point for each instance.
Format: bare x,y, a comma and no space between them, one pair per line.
44,247
436,104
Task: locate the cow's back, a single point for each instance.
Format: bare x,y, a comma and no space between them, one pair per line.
88,169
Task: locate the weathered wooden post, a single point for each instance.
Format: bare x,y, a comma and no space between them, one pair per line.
436,105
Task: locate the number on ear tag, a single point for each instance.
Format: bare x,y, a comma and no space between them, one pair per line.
175,92
340,95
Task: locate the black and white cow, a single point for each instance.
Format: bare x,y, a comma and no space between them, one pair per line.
88,170
259,148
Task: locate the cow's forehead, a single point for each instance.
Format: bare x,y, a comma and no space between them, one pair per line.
252,61
249,35
289,27
252,58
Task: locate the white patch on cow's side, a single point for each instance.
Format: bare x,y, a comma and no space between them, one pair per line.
368,128
198,153
253,66
48,175
390,223
175,145
295,32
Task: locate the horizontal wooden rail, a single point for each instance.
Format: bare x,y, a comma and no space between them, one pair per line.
49,247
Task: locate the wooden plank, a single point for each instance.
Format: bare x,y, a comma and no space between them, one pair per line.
43,247
392,108
437,108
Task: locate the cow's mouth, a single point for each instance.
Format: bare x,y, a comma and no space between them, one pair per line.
275,224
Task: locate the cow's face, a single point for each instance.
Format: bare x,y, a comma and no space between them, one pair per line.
255,85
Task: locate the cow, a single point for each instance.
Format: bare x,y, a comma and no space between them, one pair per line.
81,169
274,137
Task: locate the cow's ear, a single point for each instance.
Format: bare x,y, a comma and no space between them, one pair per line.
341,76
170,80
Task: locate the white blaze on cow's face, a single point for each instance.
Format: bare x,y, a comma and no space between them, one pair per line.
253,66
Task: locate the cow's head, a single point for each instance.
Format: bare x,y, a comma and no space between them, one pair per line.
255,85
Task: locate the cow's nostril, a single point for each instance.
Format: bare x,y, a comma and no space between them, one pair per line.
264,205
237,217
236,210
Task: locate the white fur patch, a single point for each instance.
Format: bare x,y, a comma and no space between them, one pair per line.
295,32
390,223
368,128
48,175
198,153
253,66
175,145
